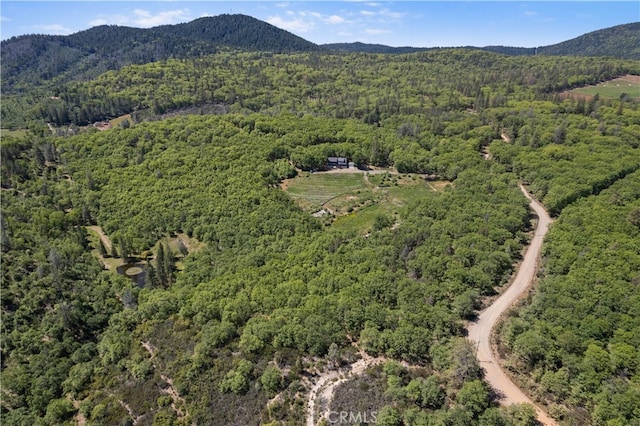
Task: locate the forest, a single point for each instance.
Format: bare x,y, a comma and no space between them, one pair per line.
233,332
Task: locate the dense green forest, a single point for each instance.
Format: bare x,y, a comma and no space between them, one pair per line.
579,338
234,332
371,87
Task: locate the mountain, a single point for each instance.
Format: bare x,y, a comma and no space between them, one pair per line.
89,53
36,59
622,41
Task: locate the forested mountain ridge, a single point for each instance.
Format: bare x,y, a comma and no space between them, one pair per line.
620,41
88,53
35,59
372,48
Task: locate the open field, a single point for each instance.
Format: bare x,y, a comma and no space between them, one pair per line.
116,121
613,89
354,200
319,188
13,133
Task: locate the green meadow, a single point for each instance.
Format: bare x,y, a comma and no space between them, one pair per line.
355,200
612,89
13,133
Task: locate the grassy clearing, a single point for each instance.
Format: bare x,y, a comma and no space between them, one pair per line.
612,89
356,199
438,185
111,263
313,190
177,244
13,133
116,121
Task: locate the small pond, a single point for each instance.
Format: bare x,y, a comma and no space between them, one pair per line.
135,271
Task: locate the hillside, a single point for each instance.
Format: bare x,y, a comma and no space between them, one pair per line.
622,41
87,54
245,81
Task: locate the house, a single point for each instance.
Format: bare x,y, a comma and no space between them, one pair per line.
337,162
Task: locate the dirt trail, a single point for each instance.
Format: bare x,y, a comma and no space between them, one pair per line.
321,393
103,237
480,331
177,400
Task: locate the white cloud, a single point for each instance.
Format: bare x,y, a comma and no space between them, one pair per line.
305,20
284,4
393,15
144,18
294,25
385,13
4,19
55,29
530,13
335,19
98,21
376,31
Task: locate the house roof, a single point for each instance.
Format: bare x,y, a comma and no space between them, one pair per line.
338,160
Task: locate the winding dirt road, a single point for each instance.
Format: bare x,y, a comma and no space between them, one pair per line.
480,330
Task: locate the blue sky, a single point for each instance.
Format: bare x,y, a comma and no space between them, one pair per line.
399,23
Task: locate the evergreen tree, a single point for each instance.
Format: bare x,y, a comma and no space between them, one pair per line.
160,268
168,264
151,277
124,252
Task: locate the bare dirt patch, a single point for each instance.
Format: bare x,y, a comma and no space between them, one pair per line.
103,237
631,78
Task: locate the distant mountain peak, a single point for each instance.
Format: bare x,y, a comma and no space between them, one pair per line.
621,41
112,46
